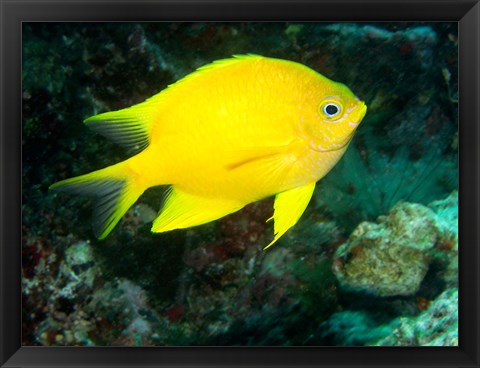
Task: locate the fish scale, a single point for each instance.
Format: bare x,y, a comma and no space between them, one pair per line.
231,133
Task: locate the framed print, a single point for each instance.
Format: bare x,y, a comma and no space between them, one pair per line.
239,184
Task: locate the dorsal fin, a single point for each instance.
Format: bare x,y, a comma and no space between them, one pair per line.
130,127
229,61
212,67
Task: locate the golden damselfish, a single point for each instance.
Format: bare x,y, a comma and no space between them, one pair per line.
229,134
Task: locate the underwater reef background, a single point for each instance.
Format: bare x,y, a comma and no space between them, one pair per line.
372,262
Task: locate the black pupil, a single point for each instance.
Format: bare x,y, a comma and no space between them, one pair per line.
331,109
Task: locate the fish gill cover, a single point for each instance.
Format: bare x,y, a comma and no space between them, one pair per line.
385,215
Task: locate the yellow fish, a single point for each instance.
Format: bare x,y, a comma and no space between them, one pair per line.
231,133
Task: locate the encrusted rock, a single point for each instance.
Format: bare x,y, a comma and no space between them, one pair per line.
437,326
391,257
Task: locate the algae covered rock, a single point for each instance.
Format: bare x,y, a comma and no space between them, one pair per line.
214,285
437,326
446,250
353,328
413,226
389,258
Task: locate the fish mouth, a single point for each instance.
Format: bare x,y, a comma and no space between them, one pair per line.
341,145
335,147
362,112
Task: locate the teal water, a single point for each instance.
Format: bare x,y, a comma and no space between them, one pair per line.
372,261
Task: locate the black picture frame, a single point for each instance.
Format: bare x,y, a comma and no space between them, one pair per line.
14,12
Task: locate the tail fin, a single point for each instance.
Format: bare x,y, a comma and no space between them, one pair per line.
115,190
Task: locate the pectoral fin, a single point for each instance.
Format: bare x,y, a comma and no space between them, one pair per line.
182,210
248,156
289,206
264,164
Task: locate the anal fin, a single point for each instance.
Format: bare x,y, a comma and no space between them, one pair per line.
289,206
182,210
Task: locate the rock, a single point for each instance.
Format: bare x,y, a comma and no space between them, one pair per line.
437,326
391,257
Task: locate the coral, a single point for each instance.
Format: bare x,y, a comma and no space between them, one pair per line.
292,284
213,284
316,289
123,315
413,226
391,257
361,189
373,263
404,149
346,51
60,282
82,309
231,267
437,326
447,212
445,253
352,328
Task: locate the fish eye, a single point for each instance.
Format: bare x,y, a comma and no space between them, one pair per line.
331,109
